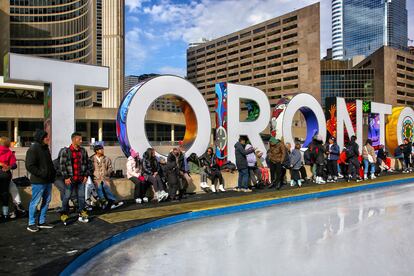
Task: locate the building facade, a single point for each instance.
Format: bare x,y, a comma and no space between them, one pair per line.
339,79
63,30
394,75
113,49
362,27
85,31
280,56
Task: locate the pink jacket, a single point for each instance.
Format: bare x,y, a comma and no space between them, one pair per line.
7,157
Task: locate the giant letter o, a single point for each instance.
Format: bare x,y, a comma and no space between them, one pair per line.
140,99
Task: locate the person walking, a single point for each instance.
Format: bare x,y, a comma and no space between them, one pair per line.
241,164
7,163
75,169
42,174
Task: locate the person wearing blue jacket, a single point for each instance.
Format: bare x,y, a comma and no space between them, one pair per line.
332,151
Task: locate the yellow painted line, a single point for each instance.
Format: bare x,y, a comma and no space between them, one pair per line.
179,208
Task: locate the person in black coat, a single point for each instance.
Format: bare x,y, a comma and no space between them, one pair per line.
407,150
352,154
241,163
42,174
173,174
212,169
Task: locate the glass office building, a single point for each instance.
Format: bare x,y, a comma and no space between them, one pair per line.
360,27
350,84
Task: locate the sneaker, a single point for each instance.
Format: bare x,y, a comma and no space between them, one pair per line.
358,179
139,201
340,175
12,215
164,195
64,218
237,189
213,188
145,199
46,226
32,228
246,190
83,217
221,188
373,176
117,204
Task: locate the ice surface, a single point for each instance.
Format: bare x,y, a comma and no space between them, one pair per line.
369,233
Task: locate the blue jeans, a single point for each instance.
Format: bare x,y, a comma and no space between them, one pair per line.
39,192
366,165
243,179
104,189
79,188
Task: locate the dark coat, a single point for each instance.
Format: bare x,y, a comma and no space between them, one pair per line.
150,165
408,148
318,151
241,153
40,165
352,150
209,162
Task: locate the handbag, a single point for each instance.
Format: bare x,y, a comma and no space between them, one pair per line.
370,158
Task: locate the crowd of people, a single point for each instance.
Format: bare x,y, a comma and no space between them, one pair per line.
84,182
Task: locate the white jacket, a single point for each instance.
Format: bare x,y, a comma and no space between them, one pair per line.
132,169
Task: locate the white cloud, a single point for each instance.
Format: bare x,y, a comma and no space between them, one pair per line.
173,71
135,51
134,5
210,19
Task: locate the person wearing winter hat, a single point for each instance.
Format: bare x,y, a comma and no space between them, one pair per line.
134,173
7,163
42,174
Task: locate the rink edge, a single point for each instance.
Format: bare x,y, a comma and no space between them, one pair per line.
86,256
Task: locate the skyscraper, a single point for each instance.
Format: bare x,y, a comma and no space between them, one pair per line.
85,31
360,27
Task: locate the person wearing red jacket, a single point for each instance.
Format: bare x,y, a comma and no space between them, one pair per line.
7,163
343,164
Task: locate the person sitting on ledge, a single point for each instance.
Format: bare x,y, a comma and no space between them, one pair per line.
134,173
151,171
211,168
102,170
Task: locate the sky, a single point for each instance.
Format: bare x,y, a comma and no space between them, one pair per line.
158,31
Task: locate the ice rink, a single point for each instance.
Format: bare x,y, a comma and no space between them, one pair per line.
367,233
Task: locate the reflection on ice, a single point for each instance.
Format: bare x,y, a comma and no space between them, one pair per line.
366,233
